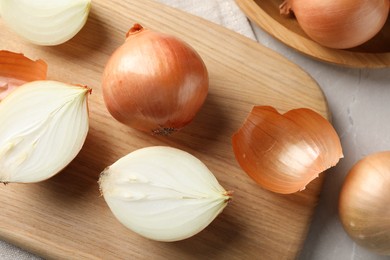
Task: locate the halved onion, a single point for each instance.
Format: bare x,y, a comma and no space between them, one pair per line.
43,126
45,22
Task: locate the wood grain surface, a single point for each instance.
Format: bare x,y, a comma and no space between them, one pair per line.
265,13
66,218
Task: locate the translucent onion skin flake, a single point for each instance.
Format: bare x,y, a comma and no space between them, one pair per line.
16,69
285,152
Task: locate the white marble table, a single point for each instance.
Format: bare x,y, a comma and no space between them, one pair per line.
359,100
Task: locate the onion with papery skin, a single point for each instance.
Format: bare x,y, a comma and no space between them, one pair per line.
283,153
16,69
339,24
364,205
154,82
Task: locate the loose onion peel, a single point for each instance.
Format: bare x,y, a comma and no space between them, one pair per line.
16,69
283,153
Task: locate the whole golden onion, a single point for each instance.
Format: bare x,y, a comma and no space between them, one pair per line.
339,24
154,82
364,205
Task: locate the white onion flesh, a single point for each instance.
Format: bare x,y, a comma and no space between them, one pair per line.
162,193
43,127
45,22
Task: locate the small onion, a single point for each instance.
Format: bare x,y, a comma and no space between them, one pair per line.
283,153
339,24
154,82
364,205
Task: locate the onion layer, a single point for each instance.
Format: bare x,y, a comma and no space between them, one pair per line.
339,24
364,205
283,153
154,82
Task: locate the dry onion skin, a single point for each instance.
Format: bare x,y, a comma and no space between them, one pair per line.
364,205
16,69
154,82
283,153
163,193
339,24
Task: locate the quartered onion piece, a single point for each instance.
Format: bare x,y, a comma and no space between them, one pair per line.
283,153
16,69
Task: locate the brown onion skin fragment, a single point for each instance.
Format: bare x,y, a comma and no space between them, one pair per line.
16,69
283,153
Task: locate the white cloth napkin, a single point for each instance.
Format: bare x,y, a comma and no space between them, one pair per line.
222,12
11,252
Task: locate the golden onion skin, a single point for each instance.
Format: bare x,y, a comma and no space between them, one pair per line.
339,24
285,152
154,82
364,204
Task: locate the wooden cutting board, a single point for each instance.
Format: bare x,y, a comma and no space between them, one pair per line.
66,218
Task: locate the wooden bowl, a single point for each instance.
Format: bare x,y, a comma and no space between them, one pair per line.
265,13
